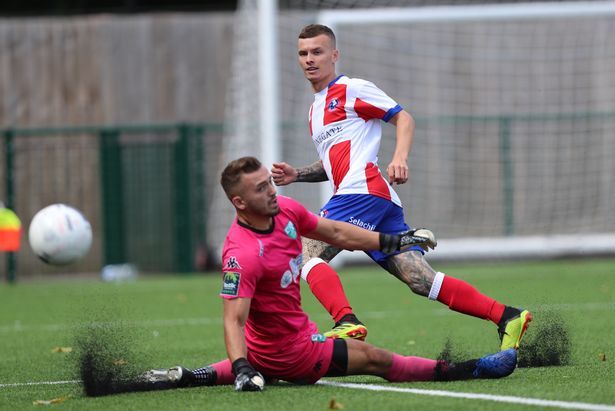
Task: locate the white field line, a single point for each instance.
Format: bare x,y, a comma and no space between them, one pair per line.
26,384
18,326
475,396
434,393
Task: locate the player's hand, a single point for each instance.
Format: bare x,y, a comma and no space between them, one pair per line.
410,237
397,172
283,174
246,377
422,237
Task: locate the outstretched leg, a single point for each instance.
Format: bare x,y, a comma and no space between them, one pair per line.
412,269
364,358
219,373
325,284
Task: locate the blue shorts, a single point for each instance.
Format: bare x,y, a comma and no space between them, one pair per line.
369,212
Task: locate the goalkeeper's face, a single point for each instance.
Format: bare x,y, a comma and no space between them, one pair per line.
317,58
257,194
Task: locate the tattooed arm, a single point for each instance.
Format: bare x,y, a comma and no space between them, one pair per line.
284,174
313,173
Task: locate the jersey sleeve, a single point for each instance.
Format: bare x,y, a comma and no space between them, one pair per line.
240,273
373,103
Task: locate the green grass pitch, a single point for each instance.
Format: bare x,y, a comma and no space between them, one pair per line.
172,320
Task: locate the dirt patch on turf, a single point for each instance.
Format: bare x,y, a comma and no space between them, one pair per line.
547,342
105,361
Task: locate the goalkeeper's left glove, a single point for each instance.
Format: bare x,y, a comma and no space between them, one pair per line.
246,377
422,237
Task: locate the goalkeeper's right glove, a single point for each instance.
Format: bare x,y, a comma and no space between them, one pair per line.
422,237
246,377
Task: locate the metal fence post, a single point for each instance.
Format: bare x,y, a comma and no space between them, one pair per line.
184,247
112,196
507,176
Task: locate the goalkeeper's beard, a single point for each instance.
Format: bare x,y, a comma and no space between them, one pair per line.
275,208
271,209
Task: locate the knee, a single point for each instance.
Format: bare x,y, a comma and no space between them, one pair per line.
378,359
418,282
415,279
412,269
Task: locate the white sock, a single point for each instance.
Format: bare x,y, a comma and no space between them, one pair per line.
309,265
435,286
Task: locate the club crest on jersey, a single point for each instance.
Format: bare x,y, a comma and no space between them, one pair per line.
333,104
290,230
230,283
232,263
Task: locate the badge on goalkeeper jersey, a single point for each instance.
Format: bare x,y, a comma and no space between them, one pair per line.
230,283
290,230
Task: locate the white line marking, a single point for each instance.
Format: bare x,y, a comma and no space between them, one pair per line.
25,384
18,326
475,396
434,393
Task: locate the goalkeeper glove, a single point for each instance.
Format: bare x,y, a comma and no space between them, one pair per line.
246,377
422,237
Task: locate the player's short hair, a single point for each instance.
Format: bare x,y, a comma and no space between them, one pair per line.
313,30
230,177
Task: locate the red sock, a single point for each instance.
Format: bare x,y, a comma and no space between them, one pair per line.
462,297
411,369
224,372
326,287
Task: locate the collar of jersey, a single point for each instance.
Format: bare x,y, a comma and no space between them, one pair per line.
256,230
331,83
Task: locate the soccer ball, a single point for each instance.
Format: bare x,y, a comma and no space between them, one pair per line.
60,234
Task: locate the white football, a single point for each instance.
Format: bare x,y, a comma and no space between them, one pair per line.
60,234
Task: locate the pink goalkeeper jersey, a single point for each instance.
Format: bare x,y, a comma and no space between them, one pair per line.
345,127
265,266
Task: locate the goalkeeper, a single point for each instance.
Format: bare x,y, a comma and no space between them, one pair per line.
345,125
266,331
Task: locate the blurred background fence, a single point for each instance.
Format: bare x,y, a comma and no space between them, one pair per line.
143,188
514,137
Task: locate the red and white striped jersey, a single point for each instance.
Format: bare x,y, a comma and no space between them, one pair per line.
345,127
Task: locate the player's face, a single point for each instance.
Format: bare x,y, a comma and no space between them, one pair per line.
317,58
259,194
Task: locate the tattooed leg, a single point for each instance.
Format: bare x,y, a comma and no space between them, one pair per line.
412,269
318,249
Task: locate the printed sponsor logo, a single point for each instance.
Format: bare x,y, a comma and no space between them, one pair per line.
230,283
232,263
295,266
362,224
324,213
292,275
287,278
328,133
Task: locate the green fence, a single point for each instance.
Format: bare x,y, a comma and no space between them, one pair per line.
143,188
